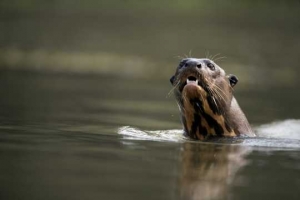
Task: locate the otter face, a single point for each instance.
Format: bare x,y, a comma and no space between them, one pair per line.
203,93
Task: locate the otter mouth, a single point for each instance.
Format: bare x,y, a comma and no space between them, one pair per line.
191,80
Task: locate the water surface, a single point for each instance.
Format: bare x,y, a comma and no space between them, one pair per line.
61,138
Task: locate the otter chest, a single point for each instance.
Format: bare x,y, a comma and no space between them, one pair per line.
202,118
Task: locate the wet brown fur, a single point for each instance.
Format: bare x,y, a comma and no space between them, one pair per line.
209,108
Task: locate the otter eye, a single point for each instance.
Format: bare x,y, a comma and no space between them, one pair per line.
182,63
211,66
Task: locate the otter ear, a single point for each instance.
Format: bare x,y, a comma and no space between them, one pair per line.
172,79
233,80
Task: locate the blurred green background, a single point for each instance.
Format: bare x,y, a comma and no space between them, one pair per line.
143,41
260,39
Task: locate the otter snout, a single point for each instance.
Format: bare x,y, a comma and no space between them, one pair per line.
193,63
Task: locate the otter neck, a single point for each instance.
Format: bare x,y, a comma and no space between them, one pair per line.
202,116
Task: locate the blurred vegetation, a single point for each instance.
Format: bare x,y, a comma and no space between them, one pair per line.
146,38
168,5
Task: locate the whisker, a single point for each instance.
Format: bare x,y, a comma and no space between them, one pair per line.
184,97
172,89
215,56
214,93
179,57
202,99
217,90
181,108
220,58
190,53
220,93
207,54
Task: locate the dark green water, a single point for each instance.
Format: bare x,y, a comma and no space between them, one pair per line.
60,139
85,111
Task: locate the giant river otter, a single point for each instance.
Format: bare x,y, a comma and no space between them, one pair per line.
205,100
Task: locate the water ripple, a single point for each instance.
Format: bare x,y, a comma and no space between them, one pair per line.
282,135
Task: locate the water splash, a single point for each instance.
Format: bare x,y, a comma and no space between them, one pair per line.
160,135
282,129
282,134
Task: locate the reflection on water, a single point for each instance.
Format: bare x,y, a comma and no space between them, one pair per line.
66,136
221,168
207,171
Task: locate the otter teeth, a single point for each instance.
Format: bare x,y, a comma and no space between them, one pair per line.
191,81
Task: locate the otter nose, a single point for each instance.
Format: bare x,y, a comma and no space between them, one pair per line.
193,63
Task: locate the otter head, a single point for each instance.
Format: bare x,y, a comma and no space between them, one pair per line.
204,94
